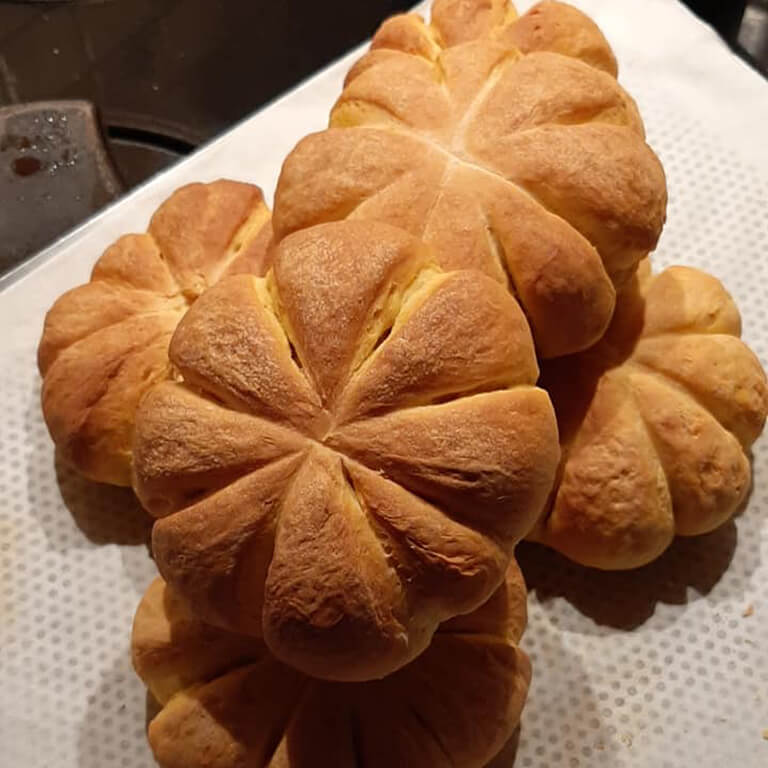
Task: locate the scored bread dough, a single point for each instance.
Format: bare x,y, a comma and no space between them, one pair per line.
226,702
106,342
505,143
355,448
655,421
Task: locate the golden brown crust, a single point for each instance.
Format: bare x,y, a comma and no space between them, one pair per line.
203,229
89,308
228,703
420,366
406,32
356,282
218,551
561,28
505,143
459,21
105,343
90,393
439,452
332,601
178,426
244,357
348,462
655,423
172,649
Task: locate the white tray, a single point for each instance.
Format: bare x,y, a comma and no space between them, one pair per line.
658,668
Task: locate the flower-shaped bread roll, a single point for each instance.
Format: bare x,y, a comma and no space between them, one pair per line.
106,342
655,421
355,449
508,144
227,702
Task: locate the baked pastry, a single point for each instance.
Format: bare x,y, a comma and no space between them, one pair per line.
105,343
655,422
506,143
227,702
355,449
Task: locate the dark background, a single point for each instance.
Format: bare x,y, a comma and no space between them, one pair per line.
173,73
166,75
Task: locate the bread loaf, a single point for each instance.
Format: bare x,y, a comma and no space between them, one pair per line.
507,144
355,448
105,343
226,702
656,422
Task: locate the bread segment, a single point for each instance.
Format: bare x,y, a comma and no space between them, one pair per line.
105,343
504,142
228,704
395,406
655,421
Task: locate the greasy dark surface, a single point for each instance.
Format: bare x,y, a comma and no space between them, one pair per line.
54,172
183,68
165,75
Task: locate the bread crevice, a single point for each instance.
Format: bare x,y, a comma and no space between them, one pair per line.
248,231
391,547
458,140
423,496
356,738
270,299
389,312
164,260
432,733
385,542
673,383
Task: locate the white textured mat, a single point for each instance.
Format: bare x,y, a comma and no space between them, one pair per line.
666,667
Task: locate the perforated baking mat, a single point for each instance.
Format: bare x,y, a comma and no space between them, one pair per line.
665,667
